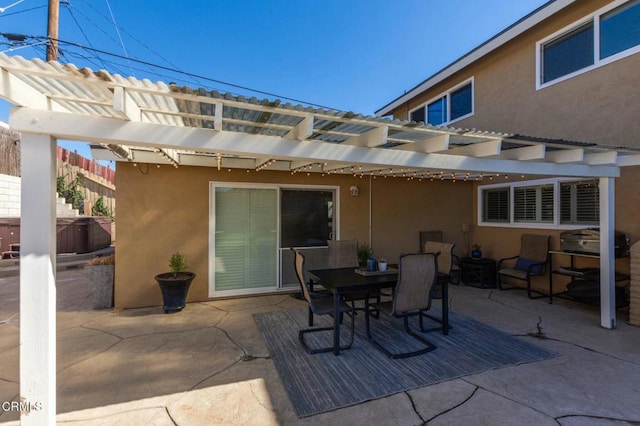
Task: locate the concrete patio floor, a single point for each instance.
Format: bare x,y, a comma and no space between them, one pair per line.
209,365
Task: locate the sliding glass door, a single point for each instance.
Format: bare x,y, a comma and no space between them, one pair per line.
245,240
253,228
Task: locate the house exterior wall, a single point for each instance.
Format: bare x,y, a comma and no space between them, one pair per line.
163,210
599,106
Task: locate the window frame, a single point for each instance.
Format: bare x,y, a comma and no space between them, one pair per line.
512,223
597,62
447,94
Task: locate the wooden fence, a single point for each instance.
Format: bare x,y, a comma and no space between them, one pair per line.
9,152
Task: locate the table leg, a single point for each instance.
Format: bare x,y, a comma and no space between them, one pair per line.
336,323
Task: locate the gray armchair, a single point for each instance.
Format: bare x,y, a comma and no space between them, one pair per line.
532,261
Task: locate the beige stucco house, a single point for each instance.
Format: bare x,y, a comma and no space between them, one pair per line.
233,182
567,71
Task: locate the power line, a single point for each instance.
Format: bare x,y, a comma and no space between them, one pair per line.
113,19
237,86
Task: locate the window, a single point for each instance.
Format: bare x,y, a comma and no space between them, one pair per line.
568,53
451,106
496,205
437,111
580,202
545,202
605,36
620,29
533,204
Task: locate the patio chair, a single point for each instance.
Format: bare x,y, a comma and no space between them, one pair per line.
344,254
436,236
445,267
532,261
412,296
319,304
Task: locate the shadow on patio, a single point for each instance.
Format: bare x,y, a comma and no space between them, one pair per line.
209,364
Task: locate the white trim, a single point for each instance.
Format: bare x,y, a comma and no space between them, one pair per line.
531,225
597,62
493,44
447,94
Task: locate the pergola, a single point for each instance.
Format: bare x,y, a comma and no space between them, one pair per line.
127,119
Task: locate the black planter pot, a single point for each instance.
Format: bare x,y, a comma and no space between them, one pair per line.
174,287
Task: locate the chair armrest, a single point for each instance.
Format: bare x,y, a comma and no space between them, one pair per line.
505,258
318,294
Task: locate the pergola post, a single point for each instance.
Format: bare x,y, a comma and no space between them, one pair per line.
37,280
607,254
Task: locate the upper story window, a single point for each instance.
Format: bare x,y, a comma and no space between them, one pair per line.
606,36
447,107
543,203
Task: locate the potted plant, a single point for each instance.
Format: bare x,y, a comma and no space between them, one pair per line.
364,253
476,251
175,284
99,272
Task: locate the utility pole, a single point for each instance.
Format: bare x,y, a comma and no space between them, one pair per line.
52,30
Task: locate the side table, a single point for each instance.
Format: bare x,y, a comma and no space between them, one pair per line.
479,272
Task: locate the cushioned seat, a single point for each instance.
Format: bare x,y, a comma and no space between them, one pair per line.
532,261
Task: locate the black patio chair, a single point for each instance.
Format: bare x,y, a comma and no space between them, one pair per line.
532,261
417,276
344,254
319,304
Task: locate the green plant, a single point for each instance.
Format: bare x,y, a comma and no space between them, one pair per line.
364,252
178,263
71,193
476,247
100,209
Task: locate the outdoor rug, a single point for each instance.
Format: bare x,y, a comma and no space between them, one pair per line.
324,382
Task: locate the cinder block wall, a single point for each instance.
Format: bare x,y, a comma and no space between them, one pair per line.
9,196
634,308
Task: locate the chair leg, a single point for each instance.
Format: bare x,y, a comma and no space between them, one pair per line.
428,346
540,295
310,317
312,351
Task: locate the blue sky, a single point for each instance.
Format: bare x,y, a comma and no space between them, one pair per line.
354,55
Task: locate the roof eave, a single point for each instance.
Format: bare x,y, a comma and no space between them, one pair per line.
526,23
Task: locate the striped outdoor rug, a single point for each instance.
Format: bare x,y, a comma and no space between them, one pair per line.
324,382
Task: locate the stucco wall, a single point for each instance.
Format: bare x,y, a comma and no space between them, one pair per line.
162,210
599,106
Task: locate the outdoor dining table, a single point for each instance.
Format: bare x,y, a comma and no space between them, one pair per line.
342,281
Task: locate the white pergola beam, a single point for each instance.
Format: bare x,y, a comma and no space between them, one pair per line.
303,130
38,278
629,160
217,116
21,93
438,143
112,130
374,137
601,158
479,149
526,153
565,156
124,103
